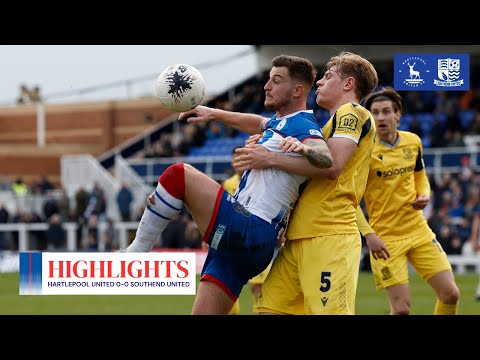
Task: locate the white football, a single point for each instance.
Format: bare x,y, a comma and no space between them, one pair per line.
180,87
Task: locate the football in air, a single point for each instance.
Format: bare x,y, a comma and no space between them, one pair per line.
180,87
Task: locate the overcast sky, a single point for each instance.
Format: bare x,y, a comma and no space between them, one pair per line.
61,69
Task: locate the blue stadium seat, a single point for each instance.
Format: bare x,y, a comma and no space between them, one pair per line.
442,117
406,119
426,142
195,151
466,118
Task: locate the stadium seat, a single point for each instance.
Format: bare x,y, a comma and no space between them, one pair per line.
466,118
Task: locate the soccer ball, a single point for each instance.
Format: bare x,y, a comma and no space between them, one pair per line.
180,87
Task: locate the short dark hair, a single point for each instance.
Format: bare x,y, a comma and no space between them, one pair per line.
299,68
386,93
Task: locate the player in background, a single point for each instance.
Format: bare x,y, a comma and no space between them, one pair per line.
241,230
397,232
316,270
475,243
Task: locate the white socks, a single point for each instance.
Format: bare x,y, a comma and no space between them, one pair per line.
154,220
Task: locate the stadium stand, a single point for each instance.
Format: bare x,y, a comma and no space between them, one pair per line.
106,143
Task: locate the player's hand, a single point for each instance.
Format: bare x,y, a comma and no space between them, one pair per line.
377,247
291,144
252,140
420,202
198,114
253,157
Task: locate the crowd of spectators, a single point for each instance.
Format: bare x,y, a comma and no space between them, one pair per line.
87,208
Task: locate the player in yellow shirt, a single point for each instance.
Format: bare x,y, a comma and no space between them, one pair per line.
397,233
316,270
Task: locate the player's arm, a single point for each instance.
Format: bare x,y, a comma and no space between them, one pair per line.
257,157
375,244
316,152
422,185
248,123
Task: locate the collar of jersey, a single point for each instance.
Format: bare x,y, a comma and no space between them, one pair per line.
295,113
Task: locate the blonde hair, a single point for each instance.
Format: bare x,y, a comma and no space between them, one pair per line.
356,66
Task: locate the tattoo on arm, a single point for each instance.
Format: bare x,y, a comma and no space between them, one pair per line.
317,155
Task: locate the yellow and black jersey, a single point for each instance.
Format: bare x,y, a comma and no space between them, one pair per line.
327,207
396,177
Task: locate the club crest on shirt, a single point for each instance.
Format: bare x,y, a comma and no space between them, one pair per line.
348,122
408,153
386,274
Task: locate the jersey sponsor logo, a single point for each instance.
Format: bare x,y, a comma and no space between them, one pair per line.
218,236
324,300
395,171
348,122
315,132
240,209
380,156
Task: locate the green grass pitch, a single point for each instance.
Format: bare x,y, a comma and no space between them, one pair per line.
369,301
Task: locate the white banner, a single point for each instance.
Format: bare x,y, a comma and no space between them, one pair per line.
154,273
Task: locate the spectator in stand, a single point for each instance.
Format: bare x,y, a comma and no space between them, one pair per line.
216,130
19,187
110,238
4,217
415,128
474,128
50,205
81,203
173,235
45,185
63,203
97,203
457,139
193,237
56,235
92,233
436,133
124,202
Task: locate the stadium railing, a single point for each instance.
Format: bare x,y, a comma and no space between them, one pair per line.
25,240
461,263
